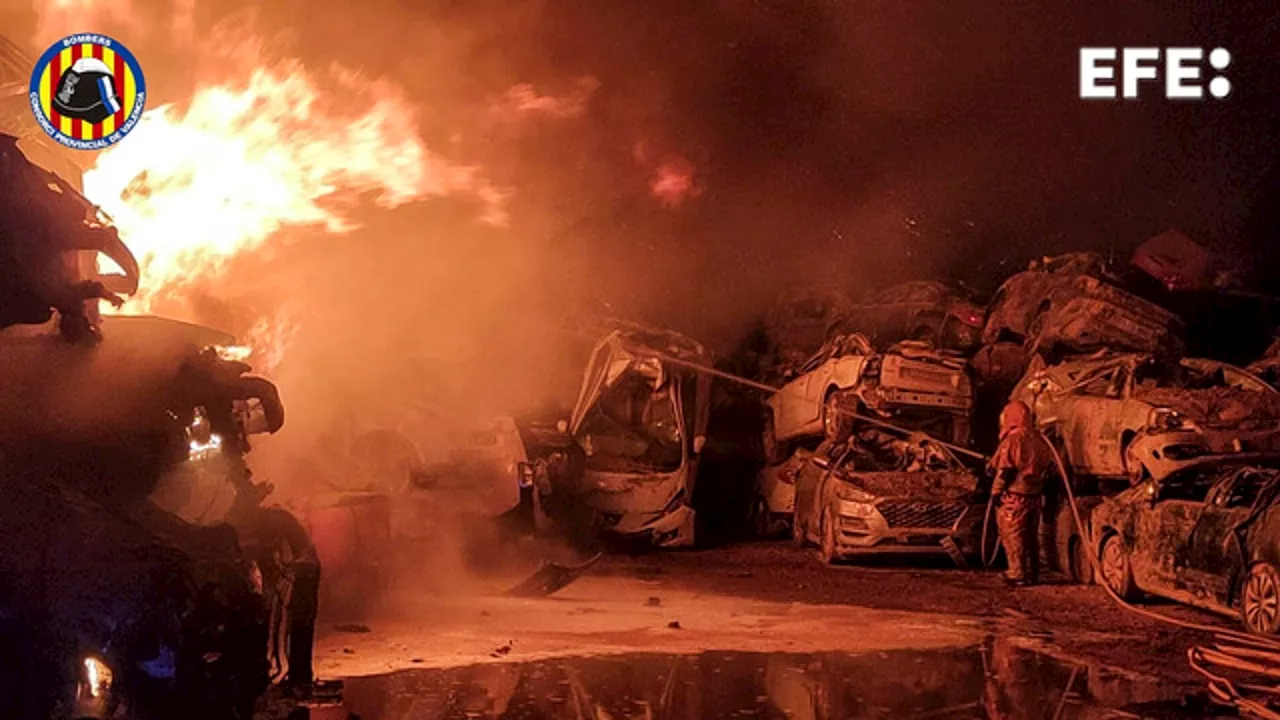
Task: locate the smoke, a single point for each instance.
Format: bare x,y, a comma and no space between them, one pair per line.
681,163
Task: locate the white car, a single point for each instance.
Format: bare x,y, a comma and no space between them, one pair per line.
910,384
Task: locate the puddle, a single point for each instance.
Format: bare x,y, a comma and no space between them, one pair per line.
998,679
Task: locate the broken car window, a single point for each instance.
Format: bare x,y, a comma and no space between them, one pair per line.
633,427
1243,491
1191,485
1102,384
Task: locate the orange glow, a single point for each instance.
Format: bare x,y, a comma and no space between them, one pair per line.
191,190
673,182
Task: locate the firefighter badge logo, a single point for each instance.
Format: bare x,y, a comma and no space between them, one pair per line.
87,91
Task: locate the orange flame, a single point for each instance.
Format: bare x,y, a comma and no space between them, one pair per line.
191,190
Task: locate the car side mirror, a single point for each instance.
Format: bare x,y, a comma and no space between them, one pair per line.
699,442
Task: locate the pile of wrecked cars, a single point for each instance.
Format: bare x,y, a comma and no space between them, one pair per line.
1171,457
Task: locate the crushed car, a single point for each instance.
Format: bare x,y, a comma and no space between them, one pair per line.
1127,414
910,384
627,459
1207,534
800,321
1072,303
880,493
924,310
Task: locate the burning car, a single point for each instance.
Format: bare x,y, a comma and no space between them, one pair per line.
910,383
1206,534
635,436
1072,302
919,310
879,493
1129,415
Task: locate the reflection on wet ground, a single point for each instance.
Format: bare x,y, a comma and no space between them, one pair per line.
998,679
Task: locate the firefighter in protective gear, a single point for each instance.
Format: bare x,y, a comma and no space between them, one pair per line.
1022,464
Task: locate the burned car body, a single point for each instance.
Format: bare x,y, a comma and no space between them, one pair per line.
1123,415
878,493
140,438
909,383
919,310
801,320
1071,302
1207,534
635,436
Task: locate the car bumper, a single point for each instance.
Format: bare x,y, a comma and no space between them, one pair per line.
860,532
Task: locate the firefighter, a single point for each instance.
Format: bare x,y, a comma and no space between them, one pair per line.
1022,464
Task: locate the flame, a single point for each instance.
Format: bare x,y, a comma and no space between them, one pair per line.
192,190
673,182
524,99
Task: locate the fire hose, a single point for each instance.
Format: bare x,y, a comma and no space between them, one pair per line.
1232,650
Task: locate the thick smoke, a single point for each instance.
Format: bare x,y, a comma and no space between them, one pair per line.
810,141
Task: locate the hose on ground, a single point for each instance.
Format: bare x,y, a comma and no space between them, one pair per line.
1233,650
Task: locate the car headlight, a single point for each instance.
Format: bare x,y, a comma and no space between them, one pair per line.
1163,418
855,509
852,494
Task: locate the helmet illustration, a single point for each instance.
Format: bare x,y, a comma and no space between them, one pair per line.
87,91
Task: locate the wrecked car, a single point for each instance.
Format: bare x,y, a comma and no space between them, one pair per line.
630,457
141,438
1125,415
880,493
801,320
919,310
1206,534
774,500
1072,302
909,383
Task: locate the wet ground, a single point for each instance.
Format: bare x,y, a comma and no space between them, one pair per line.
762,630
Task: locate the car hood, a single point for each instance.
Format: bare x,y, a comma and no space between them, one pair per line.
1220,407
933,485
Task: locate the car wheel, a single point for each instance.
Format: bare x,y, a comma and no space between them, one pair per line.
761,519
797,530
830,549
772,449
1260,600
1078,562
836,426
1117,572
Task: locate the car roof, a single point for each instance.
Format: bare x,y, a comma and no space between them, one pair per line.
1261,460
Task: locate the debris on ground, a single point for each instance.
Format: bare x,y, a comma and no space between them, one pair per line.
352,628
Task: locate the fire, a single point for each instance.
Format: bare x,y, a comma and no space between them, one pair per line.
191,190
672,182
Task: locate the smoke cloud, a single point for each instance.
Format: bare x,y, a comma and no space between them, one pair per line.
682,163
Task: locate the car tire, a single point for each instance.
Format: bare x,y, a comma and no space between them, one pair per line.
829,547
1079,569
1117,570
1260,600
797,530
770,447
835,426
761,520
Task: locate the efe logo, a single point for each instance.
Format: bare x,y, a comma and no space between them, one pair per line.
1181,66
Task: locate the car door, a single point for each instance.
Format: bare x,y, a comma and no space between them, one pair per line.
1213,554
1084,419
1164,525
795,410
808,486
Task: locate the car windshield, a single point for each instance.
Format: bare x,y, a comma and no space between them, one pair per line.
633,428
1157,374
